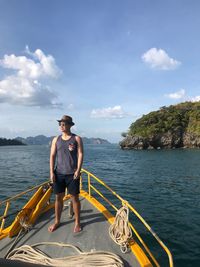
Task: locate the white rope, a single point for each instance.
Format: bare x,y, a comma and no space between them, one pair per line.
30,254
25,227
120,230
23,221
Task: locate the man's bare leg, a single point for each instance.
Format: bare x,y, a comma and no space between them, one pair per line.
76,208
58,211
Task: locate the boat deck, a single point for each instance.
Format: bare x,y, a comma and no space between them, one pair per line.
94,235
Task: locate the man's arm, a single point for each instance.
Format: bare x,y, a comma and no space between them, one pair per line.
79,155
53,159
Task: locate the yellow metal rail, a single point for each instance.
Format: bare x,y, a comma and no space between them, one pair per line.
91,187
22,193
131,208
9,200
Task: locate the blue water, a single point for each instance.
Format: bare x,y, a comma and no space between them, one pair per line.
164,186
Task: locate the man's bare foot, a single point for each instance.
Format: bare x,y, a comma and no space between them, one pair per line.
53,227
77,228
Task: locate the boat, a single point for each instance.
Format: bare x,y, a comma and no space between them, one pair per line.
101,211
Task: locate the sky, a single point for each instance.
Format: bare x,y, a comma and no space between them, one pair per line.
103,62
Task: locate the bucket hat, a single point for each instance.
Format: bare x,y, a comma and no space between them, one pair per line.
67,119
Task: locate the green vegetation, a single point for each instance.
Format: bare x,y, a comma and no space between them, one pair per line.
180,118
10,142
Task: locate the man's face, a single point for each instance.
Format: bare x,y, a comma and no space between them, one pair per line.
64,126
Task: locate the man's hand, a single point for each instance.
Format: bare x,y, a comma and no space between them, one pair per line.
76,174
52,178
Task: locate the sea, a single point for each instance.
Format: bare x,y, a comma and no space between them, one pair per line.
162,185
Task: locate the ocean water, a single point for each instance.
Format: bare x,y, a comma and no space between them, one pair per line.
163,186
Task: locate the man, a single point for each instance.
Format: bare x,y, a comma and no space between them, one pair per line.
67,152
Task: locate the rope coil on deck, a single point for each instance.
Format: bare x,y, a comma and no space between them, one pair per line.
25,227
30,254
120,231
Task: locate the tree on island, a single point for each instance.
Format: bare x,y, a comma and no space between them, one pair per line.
10,142
169,127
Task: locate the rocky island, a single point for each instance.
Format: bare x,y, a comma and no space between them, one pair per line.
176,126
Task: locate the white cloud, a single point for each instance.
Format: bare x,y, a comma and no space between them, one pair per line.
11,132
181,94
115,112
196,98
70,106
26,85
159,59
176,95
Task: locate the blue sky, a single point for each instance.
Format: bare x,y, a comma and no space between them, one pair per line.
105,63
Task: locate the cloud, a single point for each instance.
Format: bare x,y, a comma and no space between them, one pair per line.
196,98
182,94
176,95
159,59
70,106
11,131
115,112
27,85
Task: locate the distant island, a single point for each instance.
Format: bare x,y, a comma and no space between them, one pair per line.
95,141
44,140
176,126
10,142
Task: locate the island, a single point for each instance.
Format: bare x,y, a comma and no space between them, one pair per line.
10,142
44,140
176,126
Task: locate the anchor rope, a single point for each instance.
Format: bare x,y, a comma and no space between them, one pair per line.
32,254
120,231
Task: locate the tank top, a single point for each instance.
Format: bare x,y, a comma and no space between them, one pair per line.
66,155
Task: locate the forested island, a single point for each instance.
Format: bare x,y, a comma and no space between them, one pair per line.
10,142
175,126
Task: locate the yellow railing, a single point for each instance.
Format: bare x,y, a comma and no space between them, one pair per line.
8,201
132,209
90,188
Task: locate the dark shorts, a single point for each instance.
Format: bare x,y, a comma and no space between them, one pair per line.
66,181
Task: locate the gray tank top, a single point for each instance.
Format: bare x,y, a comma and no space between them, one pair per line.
66,155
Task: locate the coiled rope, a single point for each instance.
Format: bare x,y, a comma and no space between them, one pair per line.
30,254
120,231
25,227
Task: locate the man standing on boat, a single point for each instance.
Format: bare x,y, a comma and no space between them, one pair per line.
66,158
